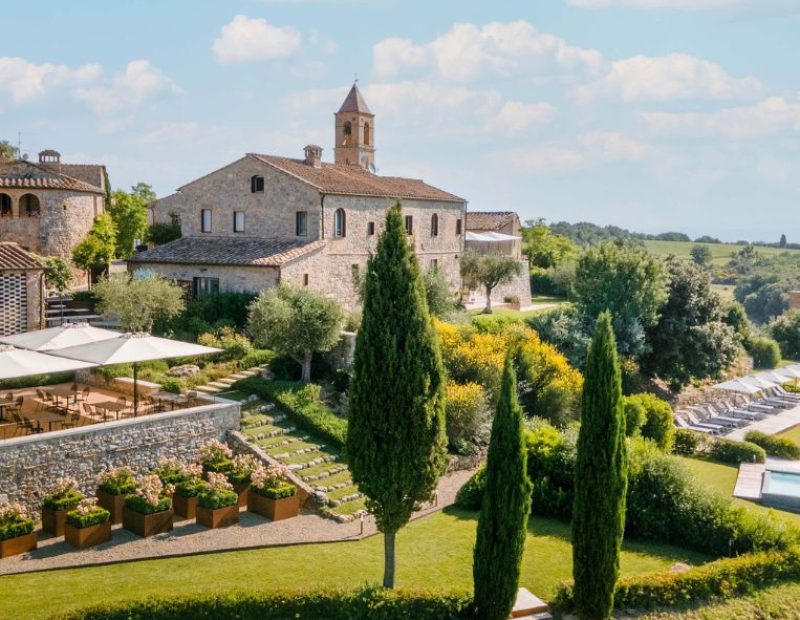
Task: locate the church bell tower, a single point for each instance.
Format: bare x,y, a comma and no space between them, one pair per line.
355,133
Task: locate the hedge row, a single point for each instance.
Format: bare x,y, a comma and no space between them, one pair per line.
281,605
302,403
735,452
775,446
723,578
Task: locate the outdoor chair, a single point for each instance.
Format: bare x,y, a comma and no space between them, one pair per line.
41,400
155,405
71,420
681,423
85,393
22,424
88,410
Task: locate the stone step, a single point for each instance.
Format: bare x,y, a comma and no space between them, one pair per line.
226,381
218,385
241,375
528,605
208,389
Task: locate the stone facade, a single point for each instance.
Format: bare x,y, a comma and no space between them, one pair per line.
30,465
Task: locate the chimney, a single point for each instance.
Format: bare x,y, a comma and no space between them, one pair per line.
313,155
50,159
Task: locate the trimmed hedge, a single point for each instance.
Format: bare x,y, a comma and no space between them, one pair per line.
302,403
688,442
721,579
775,446
736,452
280,605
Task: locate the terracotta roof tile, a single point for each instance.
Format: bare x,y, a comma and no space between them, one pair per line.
13,257
489,220
228,251
354,181
24,174
93,174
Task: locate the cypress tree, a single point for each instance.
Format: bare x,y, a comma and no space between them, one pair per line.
396,441
601,480
506,504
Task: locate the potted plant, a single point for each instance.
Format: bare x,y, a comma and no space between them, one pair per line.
63,497
87,525
16,530
239,475
112,487
512,301
148,510
217,503
170,470
271,495
216,457
186,491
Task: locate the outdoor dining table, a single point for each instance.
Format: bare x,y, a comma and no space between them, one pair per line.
110,405
171,398
64,392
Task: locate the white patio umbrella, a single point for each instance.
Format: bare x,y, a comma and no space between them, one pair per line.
773,376
737,385
67,335
758,382
792,371
16,362
132,349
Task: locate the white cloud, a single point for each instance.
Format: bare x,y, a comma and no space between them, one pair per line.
248,39
613,146
768,117
139,82
468,52
26,81
667,78
515,116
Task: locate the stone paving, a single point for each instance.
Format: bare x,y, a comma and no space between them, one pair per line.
188,538
771,425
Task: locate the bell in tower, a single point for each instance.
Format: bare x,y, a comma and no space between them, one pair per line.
355,132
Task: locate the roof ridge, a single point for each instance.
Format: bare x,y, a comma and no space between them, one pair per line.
54,173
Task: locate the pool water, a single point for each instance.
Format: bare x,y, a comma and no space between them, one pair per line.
781,489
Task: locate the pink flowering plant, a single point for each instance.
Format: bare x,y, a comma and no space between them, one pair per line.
218,493
150,496
170,470
271,482
64,495
192,482
242,468
119,481
215,456
87,514
14,521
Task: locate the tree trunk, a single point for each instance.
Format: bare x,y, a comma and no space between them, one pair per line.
388,558
306,364
488,308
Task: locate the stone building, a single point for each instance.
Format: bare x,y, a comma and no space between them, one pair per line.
21,290
48,207
264,219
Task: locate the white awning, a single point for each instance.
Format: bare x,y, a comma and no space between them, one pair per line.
491,237
132,348
22,363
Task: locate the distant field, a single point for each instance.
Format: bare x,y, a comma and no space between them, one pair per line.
721,252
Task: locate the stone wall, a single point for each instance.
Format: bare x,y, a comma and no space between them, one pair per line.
231,277
30,465
519,287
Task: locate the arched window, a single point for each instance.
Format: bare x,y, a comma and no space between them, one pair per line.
256,184
366,134
5,205
434,225
348,132
29,206
339,223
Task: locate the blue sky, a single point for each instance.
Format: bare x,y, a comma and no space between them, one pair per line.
650,114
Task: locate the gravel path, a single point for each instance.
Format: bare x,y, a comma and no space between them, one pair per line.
188,538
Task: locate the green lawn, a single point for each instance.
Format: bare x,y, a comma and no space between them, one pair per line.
434,552
720,252
792,433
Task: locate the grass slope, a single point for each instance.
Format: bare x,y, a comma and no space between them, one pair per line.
434,552
720,252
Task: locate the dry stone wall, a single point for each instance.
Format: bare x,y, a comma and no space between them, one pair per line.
30,465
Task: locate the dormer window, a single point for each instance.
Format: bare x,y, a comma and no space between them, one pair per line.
257,184
339,223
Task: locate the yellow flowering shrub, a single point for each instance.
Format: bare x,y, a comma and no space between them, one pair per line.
467,413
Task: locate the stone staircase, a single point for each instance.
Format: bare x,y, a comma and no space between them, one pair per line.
311,460
225,383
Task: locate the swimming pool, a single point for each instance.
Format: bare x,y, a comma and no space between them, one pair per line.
781,489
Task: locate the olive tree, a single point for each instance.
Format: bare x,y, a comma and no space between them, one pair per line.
488,271
295,322
138,301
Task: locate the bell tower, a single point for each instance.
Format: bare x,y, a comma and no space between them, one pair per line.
355,133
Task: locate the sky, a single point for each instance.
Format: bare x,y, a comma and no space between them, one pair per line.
654,115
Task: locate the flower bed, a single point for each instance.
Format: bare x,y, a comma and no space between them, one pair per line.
217,503
112,487
271,495
87,525
216,457
16,530
240,474
184,500
148,510
63,497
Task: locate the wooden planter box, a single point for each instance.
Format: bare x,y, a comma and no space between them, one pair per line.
113,503
242,488
53,521
18,545
221,517
275,509
185,507
83,537
147,525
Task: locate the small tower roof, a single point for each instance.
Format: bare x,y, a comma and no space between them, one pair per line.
354,102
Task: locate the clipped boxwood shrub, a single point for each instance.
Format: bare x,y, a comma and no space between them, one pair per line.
781,447
736,452
723,578
278,491
688,442
281,605
87,516
302,403
470,495
765,351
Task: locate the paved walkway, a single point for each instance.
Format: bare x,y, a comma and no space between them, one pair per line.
188,538
771,425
